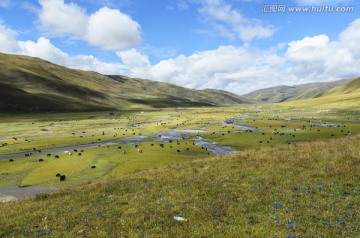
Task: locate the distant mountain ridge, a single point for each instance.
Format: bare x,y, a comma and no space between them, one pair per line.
29,84
291,93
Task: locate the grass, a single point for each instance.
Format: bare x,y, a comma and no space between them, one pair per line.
304,189
25,133
309,187
108,161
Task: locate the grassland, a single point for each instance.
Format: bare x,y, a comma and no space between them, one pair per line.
293,177
32,133
304,189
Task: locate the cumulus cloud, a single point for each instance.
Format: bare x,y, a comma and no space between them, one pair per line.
350,37
7,39
219,68
231,23
107,28
318,58
111,29
60,19
134,59
43,48
244,69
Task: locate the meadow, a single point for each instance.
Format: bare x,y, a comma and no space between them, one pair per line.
238,127
296,173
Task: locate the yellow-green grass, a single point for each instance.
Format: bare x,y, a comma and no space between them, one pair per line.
350,101
108,161
304,189
86,128
250,139
44,131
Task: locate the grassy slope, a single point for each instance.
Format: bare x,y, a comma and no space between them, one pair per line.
302,189
344,97
350,87
36,85
291,93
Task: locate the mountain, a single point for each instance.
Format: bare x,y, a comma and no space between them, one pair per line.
348,88
343,97
29,84
291,93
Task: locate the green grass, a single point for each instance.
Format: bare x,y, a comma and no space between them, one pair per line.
302,190
308,187
291,93
24,133
108,161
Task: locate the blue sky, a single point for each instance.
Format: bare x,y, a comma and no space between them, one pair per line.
234,45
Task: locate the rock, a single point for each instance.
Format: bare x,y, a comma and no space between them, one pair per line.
81,232
176,218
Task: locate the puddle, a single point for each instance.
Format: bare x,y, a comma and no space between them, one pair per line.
15,193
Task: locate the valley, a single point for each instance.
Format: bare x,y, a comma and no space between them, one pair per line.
35,148
295,172
84,154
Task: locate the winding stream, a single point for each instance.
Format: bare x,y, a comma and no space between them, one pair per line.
244,126
161,137
214,148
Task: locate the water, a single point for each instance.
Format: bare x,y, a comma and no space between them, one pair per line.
243,126
330,125
8,194
127,140
178,134
162,137
214,148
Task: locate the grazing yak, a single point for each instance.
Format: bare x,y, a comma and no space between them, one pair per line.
62,178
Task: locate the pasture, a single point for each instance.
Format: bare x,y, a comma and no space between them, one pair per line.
238,127
143,173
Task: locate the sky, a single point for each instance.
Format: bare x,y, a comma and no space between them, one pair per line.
234,45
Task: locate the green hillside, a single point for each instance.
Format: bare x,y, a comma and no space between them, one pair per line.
291,93
351,87
33,85
346,96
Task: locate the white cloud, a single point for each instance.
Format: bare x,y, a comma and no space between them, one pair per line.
43,48
60,19
7,39
107,28
350,37
111,29
227,65
134,59
231,23
318,58
309,49
244,69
